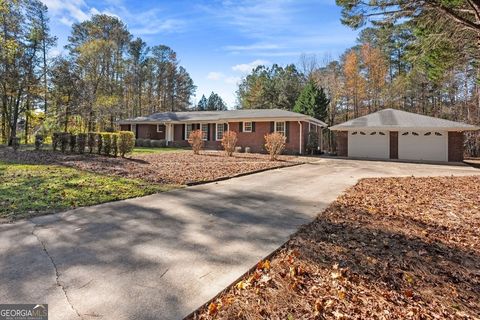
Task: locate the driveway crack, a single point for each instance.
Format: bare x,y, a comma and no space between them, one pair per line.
57,275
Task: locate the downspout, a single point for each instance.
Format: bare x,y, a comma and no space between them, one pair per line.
301,134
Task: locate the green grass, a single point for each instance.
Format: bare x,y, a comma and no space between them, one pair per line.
30,190
145,150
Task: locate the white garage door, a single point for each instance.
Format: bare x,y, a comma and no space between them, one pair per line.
423,145
369,144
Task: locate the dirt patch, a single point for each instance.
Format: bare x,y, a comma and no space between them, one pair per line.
394,248
167,168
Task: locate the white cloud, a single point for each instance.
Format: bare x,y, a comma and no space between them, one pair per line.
215,76
255,46
247,67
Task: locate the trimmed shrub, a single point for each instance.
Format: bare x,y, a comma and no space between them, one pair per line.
107,143
92,141
115,144
274,144
15,143
55,140
159,143
196,141
139,142
81,142
126,142
72,142
38,142
147,143
312,142
64,141
229,142
99,143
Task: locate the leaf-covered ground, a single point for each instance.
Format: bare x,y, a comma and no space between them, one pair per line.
394,248
162,167
28,190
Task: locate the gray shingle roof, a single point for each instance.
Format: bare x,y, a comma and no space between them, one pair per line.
191,116
397,119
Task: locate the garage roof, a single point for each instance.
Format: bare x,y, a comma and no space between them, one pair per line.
246,114
392,119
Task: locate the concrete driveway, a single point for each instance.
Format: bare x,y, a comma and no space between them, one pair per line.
162,256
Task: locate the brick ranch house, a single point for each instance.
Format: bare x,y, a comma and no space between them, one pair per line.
250,125
396,134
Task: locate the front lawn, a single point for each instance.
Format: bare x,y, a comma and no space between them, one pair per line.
147,150
28,190
394,248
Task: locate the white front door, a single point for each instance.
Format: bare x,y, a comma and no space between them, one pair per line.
423,145
369,144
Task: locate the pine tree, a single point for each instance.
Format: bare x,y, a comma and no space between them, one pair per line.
202,104
313,102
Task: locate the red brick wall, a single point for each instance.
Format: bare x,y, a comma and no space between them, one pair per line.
455,146
149,131
393,144
254,140
125,127
342,143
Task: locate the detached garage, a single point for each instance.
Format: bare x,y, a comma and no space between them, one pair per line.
395,134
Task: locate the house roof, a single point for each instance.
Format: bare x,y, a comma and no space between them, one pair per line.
214,116
388,119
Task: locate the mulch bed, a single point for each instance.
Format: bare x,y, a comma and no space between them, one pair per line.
394,248
167,168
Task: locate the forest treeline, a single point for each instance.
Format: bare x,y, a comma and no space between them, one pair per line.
104,74
418,56
421,56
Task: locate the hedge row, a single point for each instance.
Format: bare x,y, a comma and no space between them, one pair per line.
106,143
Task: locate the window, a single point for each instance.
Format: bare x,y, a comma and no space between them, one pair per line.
373,133
381,133
220,129
362,133
415,134
247,126
405,134
160,127
354,133
438,134
204,131
188,130
280,127
427,134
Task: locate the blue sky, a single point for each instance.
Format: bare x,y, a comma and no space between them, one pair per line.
218,42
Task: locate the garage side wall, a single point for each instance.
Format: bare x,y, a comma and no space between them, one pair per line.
455,146
342,143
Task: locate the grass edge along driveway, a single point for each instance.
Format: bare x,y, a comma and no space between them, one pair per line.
31,190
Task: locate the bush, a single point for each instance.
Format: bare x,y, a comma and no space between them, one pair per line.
274,143
99,142
15,143
64,141
196,141
107,143
38,141
55,140
81,142
159,143
139,142
147,143
72,142
229,142
92,141
312,142
126,142
115,144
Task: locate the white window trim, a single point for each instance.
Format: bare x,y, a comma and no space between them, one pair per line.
186,129
284,127
216,130
201,129
251,126
160,124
